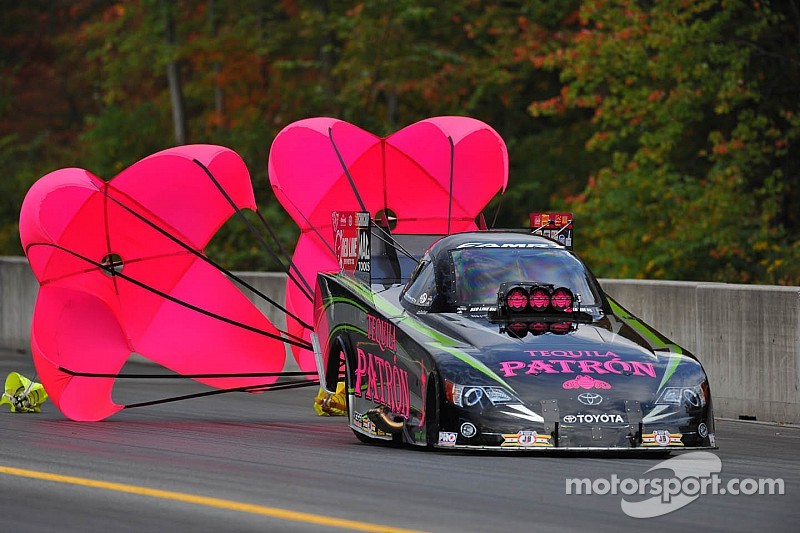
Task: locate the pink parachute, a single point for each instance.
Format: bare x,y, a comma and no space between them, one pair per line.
434,176
121,270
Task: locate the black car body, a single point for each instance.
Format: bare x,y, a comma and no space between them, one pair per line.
439,353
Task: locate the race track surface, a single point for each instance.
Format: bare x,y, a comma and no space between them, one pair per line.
244,462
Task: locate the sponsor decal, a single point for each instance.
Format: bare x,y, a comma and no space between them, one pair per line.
662,437
585,382
574,354
590,398
593,419
526,439
362,421
364,253
481,308
447,438
468,429
351,240
556,226
576,362
502,245
345,238
712,439
382,382
702,430
382,332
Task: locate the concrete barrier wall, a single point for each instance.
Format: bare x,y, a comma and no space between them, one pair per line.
747,337
18,290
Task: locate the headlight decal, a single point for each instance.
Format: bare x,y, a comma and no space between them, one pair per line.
472,395
691,396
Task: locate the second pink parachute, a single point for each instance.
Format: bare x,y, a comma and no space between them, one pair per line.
434,176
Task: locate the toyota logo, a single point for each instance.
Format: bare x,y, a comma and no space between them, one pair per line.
570,419
590,398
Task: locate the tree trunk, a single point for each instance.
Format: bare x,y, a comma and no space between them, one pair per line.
174,78
219,95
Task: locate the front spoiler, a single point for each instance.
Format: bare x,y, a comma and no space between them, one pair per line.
576,449
625,430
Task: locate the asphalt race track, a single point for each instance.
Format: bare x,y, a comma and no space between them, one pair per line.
244,462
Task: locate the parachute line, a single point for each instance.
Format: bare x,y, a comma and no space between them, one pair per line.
310,225
283,251
346,171
203,257
250,388
255,232
110,270
452,166
187,376
389,240
497,211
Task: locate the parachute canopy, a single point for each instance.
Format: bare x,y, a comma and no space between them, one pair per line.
121,270
434,176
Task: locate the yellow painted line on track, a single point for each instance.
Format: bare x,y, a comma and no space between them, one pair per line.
230,505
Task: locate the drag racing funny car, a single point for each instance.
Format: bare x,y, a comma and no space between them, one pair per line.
442,332
497,340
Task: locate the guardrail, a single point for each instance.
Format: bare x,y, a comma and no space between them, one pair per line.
746,336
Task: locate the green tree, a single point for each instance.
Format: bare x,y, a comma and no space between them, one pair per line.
669,128
42,102
696,104
399,62
380,65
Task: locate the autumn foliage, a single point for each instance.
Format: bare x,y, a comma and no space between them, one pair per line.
670,128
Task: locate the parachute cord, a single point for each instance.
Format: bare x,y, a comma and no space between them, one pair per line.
346,171
252,229
497,212
361,203
207,260
186,376
110,270
250,388
313,228
452,167
285,254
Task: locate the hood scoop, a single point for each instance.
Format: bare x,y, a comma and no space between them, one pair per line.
534,308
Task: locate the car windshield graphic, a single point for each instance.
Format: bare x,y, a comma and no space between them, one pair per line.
480,271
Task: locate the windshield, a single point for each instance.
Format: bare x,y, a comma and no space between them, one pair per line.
480,271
